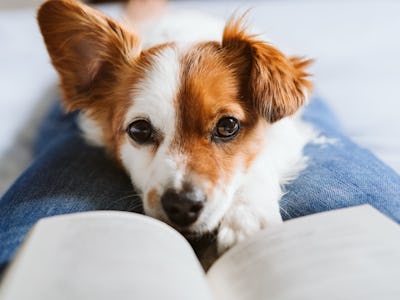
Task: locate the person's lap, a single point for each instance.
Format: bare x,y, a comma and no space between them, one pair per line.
66,176
69,176
339,174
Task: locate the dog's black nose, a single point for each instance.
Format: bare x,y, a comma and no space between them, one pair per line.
183,207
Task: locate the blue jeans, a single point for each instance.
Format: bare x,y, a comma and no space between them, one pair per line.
69,176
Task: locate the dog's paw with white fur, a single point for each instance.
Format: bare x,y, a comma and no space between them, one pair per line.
242,221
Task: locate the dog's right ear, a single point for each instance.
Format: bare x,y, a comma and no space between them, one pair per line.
276,85
87,49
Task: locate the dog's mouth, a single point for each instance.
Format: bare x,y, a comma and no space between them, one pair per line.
194,235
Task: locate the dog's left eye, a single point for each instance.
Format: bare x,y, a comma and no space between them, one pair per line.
141,132
227,128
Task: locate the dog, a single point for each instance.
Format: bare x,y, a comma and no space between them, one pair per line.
207,126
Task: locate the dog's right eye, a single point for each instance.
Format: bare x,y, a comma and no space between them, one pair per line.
227,128
141,132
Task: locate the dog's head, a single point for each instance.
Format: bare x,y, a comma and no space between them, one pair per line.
185,122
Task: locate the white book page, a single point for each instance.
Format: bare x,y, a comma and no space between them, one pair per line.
350,253
104,255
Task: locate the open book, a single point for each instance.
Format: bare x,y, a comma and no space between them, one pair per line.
351,253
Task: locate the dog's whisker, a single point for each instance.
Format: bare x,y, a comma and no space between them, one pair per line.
128,196
135,206
133,197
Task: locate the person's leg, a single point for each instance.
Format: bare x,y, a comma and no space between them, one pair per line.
66,176
339,174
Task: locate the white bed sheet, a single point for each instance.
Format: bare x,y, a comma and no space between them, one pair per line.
356,44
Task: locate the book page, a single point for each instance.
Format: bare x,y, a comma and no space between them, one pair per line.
351,253
104,255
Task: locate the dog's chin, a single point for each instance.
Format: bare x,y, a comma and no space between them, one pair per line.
199,230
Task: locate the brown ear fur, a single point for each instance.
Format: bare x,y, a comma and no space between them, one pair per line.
87,49
276,84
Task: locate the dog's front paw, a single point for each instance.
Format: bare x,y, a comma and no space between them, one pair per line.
242,221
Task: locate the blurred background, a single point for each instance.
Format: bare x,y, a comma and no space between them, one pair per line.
11,4
356,45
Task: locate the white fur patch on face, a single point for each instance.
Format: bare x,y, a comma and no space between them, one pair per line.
153,99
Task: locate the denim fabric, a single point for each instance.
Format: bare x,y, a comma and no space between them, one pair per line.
69,176
339,174
66,176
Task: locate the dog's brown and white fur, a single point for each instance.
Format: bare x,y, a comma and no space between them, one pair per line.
183,88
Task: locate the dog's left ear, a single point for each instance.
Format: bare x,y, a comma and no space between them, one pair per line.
277,84
87,48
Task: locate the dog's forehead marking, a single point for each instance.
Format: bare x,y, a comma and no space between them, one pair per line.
154,96
209,90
